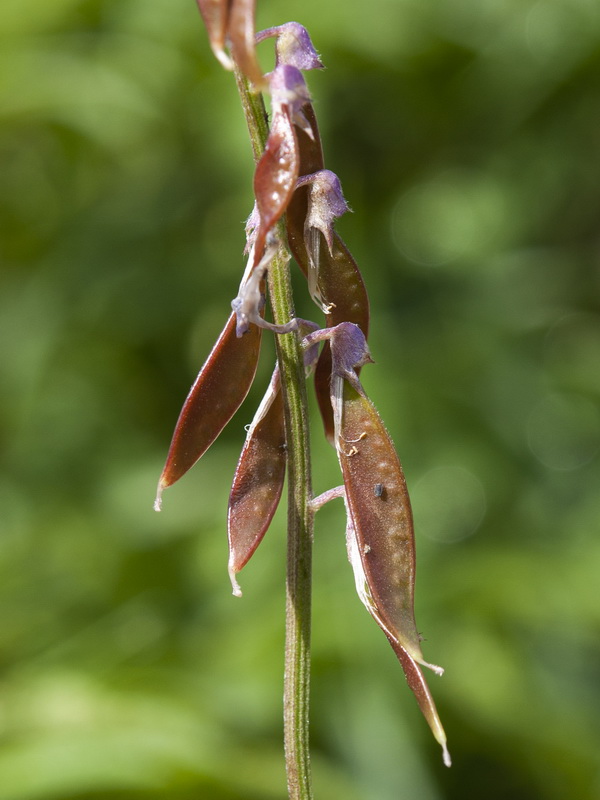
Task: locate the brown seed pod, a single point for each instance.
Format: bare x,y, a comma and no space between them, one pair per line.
418,686
275,177
258,481
217,393
342,285
215,14
243,46
414,676
379,506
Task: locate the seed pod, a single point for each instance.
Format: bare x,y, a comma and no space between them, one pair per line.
418,686
342,285
275,177
217,393
258,481
382,520
414,676
243,47
376,494
215,14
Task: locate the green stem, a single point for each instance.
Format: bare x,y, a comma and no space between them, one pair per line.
300,519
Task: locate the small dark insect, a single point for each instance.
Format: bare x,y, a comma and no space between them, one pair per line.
378,489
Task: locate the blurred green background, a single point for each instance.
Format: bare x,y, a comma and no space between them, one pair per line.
466,135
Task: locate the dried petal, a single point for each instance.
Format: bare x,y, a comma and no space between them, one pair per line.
258,481
252,224
243,47
293,47
348,352
326,203
217,393
250,301
215,14
289,92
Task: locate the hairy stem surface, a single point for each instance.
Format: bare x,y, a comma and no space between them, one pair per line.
300,520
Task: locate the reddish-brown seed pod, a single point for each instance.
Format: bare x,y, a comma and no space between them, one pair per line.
258,481
241,31
215,14
414,676
379,506
310,160
310,154
217,393
418,686
275,177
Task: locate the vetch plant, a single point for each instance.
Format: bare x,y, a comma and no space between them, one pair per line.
297,201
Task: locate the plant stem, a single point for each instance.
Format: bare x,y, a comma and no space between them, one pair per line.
300,518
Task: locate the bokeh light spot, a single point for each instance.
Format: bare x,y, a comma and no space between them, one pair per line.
563,431
449,504
452,216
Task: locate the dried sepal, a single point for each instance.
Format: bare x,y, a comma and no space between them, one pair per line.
249,304
215,14
293,46
258,481
217,393
251,229
241,29
250,300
